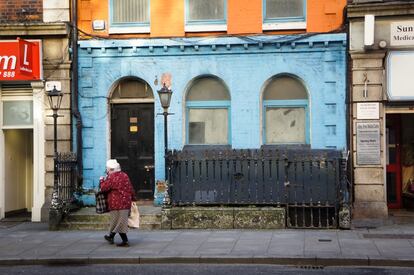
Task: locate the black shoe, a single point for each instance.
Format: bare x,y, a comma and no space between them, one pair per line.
123,244
109,239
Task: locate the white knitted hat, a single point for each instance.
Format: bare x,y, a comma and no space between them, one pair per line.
112,164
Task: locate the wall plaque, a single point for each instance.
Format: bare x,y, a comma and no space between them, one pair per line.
368,143
368,110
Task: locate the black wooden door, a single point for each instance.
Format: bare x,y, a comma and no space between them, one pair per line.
132,144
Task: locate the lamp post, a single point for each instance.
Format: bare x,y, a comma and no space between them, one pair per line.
55,99
165,98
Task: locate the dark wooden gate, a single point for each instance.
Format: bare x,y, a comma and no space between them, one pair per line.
132,144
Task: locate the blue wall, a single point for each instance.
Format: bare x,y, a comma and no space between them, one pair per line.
244,64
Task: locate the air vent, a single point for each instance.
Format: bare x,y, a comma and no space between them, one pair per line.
15,86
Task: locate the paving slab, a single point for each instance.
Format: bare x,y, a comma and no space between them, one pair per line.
32,243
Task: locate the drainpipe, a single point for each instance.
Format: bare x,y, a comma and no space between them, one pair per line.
348,98
75,110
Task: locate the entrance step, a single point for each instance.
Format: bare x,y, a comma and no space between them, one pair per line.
87,219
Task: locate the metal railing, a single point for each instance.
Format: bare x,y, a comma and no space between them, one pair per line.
66,167
309,183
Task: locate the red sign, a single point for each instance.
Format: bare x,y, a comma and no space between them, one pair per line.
20,60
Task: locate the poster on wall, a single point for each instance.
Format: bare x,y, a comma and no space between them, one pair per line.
368,143
20,60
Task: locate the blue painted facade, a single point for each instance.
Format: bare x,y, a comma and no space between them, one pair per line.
244,64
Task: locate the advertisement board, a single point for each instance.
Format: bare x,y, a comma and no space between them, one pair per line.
20,60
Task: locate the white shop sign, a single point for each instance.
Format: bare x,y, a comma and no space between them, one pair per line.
400,77
402,33
368,110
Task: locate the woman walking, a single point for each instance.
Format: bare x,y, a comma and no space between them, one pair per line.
120,196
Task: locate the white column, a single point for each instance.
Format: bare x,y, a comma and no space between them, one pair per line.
38,150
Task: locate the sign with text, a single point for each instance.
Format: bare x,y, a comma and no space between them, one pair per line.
402,33
368,143
368,110
20,60
400,80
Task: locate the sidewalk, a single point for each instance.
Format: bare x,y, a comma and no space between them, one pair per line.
32,243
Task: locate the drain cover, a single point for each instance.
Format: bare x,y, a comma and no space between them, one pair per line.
389,236
325,240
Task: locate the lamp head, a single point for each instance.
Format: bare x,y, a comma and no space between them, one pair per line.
55,98
165,97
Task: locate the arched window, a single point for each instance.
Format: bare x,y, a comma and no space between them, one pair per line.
208,110
286,114
129,88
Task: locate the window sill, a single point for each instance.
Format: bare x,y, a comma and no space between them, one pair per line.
200,147
121,30
205,28
284,26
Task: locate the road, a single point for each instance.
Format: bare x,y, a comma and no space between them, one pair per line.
202,269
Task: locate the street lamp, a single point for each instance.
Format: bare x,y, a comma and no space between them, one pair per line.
165,99
55,99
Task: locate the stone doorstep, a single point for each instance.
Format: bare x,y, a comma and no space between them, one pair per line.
87,219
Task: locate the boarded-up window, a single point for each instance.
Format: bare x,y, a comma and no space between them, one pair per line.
208,126
290,126
285,104
130,11
208,103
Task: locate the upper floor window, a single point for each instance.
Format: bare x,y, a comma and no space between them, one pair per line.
129,16
208,111
284,14
285,105
206,15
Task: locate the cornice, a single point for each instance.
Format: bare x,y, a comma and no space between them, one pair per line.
218,45
397,8
34,29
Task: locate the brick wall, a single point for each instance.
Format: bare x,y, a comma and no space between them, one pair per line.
21,10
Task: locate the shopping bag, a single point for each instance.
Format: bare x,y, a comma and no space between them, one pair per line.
133,219
101,203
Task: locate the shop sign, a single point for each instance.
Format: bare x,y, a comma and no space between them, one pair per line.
20,60
368,110
400,80
402,33
368,143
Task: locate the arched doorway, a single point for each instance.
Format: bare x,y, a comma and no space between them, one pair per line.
132,133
